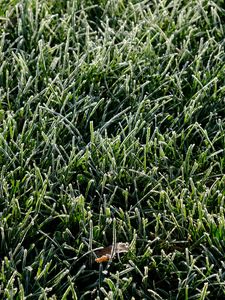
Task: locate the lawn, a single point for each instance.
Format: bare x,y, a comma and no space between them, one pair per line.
112,129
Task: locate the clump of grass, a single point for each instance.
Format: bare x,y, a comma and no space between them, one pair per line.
112,129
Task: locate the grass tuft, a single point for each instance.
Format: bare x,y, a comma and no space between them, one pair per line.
112,130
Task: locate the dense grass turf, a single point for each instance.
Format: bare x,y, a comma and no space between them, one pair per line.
112,128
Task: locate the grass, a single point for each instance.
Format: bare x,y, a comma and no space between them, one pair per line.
112,129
